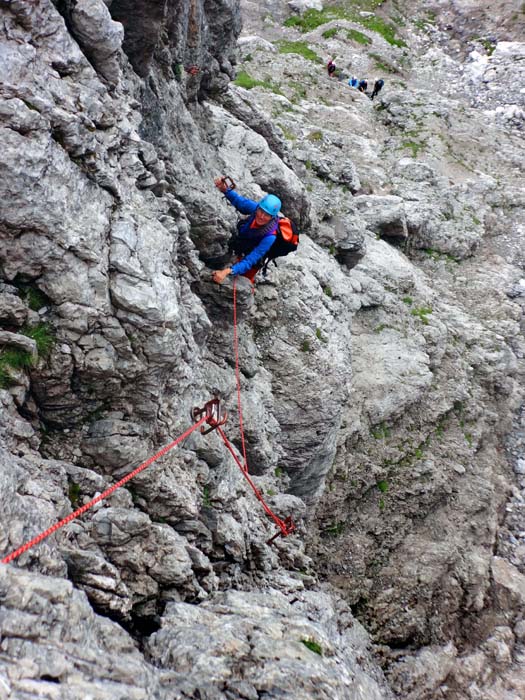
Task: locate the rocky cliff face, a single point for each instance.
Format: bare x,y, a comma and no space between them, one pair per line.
381,365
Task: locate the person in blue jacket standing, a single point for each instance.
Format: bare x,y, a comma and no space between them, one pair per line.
256,235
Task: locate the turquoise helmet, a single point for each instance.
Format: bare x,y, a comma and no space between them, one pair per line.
270,204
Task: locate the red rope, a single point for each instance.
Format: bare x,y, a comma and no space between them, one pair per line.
237,374
101,497
284,528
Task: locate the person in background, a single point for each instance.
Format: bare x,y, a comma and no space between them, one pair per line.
353,82
377,88
331,67
362,85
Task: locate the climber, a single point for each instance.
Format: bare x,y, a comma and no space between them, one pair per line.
377,88
353,82
256,234
362,86
330,67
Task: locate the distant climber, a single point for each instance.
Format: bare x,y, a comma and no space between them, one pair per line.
256,234
362,85
331,68
353,82
377,88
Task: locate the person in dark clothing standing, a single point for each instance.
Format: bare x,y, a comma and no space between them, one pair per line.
377,88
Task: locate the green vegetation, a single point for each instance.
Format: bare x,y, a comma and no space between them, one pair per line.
358,37
319,335
13,358
299,91
290,136
380,432
487,44
300,48
382,486
382,64
313,646
381,327
32,295
468,438
315,136
330,33
305,347
312,19
436,255
422,313
408,300
245,80
414,146
328,292
278,472
206,499
334,530
74,493
42,336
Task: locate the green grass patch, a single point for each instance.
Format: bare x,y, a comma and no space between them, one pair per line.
246,81
300,48
380,432
328,291
385,29
312,19
330,33
381,327
32,295
42,336
74,493
206,497
319,335
313,646
315,136
289,135
382,486
422,312
408,301
305,347
278,472
334,530
414,146
358,37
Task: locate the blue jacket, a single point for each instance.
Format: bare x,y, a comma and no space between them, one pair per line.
263,239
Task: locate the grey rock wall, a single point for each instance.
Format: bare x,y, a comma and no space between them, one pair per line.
381,365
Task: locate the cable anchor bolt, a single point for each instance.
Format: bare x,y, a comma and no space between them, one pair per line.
287,527
215,417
